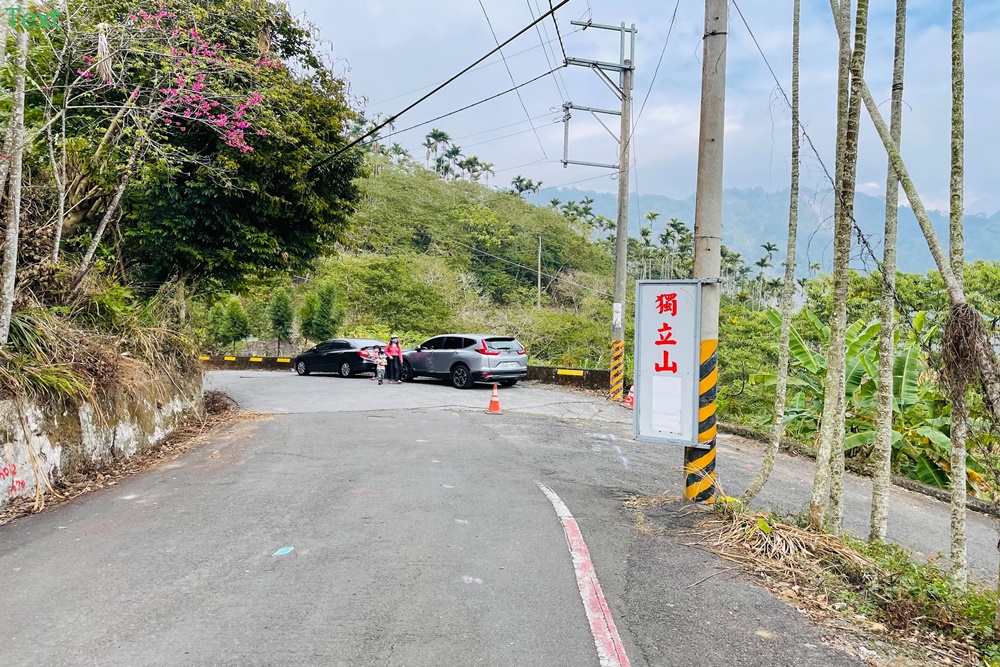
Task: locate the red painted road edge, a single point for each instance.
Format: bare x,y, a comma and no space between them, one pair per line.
610,650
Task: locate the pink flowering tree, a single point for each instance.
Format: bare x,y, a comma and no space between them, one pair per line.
127,102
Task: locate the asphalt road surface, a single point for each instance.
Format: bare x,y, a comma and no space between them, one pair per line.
398,526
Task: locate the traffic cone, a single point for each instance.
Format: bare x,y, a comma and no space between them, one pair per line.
495,402
630,399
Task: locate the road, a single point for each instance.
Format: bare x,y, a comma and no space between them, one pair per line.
419,536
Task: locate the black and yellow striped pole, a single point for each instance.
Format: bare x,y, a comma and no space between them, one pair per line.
617,370
699,462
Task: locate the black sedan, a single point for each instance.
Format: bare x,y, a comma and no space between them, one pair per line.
347,356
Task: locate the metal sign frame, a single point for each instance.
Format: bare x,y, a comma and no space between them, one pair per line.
640,361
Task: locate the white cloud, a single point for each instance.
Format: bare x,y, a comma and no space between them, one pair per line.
394,47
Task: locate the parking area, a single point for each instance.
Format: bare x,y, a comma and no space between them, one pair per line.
286,393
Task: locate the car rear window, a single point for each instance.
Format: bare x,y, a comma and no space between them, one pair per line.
366,343
504,344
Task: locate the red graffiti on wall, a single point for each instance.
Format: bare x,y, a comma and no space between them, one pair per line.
8,472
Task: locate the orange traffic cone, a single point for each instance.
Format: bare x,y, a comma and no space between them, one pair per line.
495,403
630,399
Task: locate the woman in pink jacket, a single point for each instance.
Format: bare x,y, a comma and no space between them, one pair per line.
395,354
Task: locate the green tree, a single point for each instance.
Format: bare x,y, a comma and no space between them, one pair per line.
320,317
232,324
257,315
281,312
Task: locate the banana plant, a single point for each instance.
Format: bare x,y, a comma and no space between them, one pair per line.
921,419
809,366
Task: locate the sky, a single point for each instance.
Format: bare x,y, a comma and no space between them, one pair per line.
394,51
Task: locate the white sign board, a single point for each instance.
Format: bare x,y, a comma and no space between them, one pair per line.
667,347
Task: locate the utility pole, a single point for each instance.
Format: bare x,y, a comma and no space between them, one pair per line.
623,89
699,462
621,244
539,271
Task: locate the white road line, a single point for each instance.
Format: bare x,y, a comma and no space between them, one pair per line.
610,650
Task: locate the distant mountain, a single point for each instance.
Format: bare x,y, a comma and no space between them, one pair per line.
752,217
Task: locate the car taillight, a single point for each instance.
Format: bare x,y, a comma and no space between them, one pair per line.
522,351
488,352
364,353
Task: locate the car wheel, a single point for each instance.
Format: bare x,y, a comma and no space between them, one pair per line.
301,368
406,373
345,370
508,383
461,377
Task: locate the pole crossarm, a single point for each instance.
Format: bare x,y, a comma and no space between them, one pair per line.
584,62
611,112
590,164
591,24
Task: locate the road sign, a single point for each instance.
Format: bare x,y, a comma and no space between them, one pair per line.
667,345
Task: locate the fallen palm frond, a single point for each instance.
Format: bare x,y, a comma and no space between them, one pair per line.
796,554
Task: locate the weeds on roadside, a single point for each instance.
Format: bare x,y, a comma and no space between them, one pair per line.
877,583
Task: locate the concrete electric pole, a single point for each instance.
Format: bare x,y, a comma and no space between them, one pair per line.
539,270
699,462
623,89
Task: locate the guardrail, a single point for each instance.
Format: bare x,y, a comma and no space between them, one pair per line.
586,378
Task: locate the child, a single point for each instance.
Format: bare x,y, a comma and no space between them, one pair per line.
381,360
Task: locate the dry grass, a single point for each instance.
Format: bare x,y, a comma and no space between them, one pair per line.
220,411
837,586
785,551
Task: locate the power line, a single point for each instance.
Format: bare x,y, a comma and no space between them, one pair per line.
561,46
490,141
511,74
538,31
558,34
903,307
501,127
495,62
395,116
532,269
522,166
582,180
670,30
469,106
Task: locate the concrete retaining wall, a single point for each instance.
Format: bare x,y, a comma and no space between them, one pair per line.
44,441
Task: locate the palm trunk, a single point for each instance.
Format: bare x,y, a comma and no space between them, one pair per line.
16,158
788,289
956,385
849,184
887,348
831,433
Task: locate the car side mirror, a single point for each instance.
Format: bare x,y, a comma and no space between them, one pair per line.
418,348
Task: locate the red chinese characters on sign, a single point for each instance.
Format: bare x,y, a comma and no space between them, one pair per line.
666,304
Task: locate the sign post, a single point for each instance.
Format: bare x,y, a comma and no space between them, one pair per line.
667,363
675,377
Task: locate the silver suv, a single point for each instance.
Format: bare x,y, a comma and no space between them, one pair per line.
465,359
